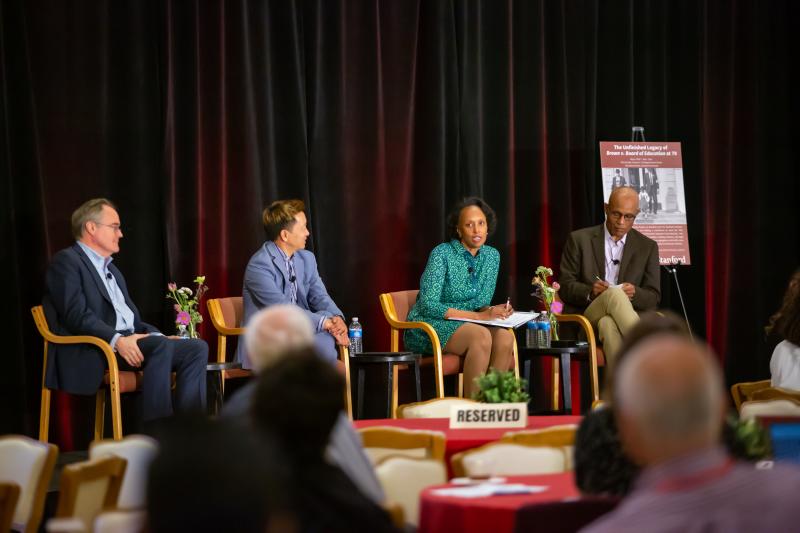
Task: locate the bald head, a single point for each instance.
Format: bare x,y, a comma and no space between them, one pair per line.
275,331
621,211
668,398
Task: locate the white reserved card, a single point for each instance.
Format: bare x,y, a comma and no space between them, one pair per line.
489,415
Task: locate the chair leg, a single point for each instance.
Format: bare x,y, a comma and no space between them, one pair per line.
116,409
394,391
99,413
44,415
555,383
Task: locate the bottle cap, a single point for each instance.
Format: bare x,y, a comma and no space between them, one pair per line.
355,319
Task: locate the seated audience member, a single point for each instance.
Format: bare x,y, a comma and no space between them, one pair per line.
669,403
298,402
601,466
283,272
459,282
273,334
211,476
610,272
87,295
785,363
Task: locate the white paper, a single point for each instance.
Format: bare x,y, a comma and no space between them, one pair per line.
514,321
489,489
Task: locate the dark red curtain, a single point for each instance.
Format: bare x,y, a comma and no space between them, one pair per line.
380,114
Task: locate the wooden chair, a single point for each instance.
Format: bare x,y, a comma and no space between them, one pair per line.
754,408
382,441
503,458
90,487
404,478
139,451
29,464
435,408
395,306
742,392
117,381
227,315
561,437
9,494
596,356
775,393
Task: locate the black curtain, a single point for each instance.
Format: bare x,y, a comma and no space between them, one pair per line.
192,115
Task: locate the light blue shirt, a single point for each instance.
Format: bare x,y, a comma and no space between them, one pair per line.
124,313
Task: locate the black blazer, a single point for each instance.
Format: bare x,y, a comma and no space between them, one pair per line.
77,302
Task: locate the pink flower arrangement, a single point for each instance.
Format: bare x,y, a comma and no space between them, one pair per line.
546,292
187,305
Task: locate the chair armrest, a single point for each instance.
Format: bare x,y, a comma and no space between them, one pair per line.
583,322
424,326
222,330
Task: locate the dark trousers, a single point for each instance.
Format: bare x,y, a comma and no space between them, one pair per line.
162,356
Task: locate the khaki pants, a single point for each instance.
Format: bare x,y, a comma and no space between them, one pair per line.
612,316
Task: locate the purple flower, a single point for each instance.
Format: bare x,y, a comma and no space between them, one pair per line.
171,287
556,307
183,318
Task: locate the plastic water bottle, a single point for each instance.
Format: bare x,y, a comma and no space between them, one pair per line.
543,331
531,331
355,334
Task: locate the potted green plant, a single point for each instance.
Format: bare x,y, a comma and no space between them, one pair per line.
501,387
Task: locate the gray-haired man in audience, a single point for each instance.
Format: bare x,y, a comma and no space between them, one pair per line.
273,332
670,404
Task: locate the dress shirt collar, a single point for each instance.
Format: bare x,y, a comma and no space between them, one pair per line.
458,247
609,239
99,262
283,254
694,464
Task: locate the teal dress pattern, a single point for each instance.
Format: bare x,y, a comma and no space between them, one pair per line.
453,278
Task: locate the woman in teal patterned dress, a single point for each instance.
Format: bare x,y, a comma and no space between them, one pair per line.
459,282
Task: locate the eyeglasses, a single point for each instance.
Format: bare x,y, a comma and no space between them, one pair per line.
114,227
616,215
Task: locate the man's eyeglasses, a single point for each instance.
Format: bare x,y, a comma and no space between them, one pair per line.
115,227
616,215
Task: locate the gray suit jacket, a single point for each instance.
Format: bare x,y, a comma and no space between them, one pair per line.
584,258
266,282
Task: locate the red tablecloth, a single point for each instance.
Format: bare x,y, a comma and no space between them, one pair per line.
459,440
492,513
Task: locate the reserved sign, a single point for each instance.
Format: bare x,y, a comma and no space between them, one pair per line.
489,415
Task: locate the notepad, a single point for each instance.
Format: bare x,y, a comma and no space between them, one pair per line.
514,321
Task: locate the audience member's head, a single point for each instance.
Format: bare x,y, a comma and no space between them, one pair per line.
786,321
601,466
668,399
274,331
651,323
208,476
298,402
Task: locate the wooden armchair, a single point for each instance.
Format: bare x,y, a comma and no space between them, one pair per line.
226,316
29,464
117,381
742,392
395,306
90,487
595,356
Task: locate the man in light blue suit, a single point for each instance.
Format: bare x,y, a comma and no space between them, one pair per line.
283,272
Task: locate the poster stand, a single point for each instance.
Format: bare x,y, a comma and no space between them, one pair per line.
637,134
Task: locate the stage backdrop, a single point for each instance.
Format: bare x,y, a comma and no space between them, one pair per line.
191,115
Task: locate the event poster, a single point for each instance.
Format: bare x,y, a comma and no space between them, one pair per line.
655,171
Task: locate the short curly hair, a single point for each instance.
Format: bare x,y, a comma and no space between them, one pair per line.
455,214
279,215
786,320
601,466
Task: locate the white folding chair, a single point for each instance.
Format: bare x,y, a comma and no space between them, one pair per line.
29,464
502,459
435,408
404,478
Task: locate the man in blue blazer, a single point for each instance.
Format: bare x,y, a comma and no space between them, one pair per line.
283,272
87,295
